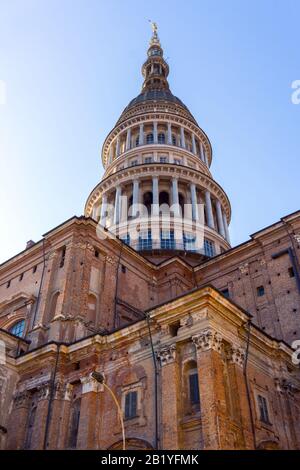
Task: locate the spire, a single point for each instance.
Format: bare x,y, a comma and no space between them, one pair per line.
155,70
155,39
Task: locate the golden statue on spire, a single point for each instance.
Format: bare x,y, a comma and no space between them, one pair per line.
154,39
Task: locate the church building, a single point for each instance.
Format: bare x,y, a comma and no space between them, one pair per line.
191,339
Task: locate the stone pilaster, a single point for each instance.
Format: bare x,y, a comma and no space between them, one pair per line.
209,347
170,389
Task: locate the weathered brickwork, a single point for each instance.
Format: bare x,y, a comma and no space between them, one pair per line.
194,345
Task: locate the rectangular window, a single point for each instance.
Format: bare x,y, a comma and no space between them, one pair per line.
167,241
145,240
133,162
163,160
148,159
62,259
194,388
263,409
131,405
189,242
21,277
34,269
177,161
209,248
260,291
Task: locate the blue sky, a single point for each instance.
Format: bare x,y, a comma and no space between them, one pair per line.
71,66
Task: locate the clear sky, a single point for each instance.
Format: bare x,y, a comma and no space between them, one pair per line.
69,67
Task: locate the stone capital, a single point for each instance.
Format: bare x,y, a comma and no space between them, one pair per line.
237,356
22,399
208,339
167,354
43,391
89,384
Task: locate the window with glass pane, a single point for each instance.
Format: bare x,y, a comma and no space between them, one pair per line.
263,409
148,159
18,328
149,139
131,405
189,241
161,138
163,159
194,388
145,241
209,248
167,241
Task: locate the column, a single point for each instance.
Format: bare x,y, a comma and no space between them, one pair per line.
169,133
212,393
103,210
16,425
170,380
135,196
118,147
202,152
155,132
235,361
227,236
128,139
220,218
195,215
155,232
141,134
194,144
209,212
155,196
111,154
175,196
182,137
88,414
117,212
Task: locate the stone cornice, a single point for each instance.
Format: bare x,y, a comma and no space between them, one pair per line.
186,174
163,117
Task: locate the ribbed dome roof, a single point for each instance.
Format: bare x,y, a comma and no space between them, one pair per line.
154,95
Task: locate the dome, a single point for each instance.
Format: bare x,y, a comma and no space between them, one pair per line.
153,96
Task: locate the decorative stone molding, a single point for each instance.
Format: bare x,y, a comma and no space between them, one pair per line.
90,385
237,356
244,268
43,391
167,354
283,385
22,399
208,339
297,237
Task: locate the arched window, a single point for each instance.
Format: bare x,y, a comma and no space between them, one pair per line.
149,138
164,198
74,423
192,400
18,328
161,138
148,200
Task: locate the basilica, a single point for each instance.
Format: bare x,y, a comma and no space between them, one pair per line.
137,325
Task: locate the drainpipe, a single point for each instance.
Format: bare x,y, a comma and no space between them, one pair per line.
157,439
247,384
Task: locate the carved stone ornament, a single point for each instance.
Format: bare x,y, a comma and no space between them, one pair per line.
208,339
244,268
237,356
22,399
167,354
